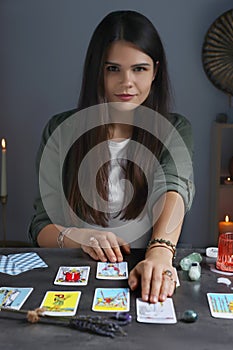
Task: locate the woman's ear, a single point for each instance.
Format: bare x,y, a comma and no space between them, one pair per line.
156,69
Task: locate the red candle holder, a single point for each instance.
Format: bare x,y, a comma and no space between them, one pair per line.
225,252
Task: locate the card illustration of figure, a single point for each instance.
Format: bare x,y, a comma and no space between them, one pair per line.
60,303
221,304
113,271
72,275
161,312
111,299
12,297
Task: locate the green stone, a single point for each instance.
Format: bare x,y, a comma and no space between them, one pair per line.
187,261
189,316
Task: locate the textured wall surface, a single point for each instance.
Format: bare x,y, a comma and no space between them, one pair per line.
43,44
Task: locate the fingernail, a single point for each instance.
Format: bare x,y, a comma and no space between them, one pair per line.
145,297
131,284
153,299
163,297
114,258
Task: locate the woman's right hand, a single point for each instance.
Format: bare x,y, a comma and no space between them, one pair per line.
100,245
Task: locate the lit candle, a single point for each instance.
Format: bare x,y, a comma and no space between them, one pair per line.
225,226
3,178
228,181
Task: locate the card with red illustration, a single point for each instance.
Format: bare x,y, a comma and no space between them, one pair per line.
72,275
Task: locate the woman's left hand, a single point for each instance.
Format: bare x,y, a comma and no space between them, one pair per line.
156,275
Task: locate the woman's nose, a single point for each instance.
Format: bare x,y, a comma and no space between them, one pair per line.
126,79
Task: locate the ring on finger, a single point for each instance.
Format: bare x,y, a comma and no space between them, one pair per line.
93,241
168,273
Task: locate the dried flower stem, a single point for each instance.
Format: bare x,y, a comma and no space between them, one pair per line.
94,324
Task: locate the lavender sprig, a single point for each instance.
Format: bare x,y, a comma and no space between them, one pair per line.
93,324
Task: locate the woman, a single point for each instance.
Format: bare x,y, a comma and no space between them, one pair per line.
137,182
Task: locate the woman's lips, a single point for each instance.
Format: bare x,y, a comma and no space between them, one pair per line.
125,97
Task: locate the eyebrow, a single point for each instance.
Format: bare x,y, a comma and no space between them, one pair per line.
134,65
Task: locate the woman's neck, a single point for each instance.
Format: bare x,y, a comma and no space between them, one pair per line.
120,130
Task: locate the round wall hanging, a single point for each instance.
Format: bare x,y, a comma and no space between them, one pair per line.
217,52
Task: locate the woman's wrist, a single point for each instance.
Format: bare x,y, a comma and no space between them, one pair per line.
61,237
67,238
162,243
159,250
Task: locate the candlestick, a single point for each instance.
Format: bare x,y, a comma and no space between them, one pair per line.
3,177
231,167
3,200
225,226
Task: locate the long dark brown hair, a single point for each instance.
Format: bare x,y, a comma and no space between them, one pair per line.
135,28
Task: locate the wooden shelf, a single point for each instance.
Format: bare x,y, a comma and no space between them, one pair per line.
221,200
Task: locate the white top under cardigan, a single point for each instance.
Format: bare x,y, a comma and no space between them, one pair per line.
137,232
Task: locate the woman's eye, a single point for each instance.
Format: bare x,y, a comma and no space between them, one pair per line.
139,69
112,69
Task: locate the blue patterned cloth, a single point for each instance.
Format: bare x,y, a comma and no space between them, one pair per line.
13,264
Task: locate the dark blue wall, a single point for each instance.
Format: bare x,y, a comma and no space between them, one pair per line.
43,43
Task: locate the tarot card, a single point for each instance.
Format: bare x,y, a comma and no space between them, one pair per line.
72,275
111,299
177,278
60,303
13,297
14,264
112,271
221,304
161,312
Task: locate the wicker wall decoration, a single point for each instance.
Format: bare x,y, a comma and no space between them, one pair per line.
217,52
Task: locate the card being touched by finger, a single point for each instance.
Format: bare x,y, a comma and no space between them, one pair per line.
112,271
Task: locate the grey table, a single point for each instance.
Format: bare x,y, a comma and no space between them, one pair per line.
206,333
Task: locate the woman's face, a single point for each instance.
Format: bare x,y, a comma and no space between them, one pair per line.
128,74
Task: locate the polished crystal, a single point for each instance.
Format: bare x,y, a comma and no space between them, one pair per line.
187,261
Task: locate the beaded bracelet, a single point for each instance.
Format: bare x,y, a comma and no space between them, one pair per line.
163,241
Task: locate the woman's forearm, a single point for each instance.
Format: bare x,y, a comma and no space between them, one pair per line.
168,215
48,237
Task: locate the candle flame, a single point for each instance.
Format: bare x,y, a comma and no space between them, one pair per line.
228,179
3,144
227,218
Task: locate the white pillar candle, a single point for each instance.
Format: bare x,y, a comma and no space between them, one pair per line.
3,177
